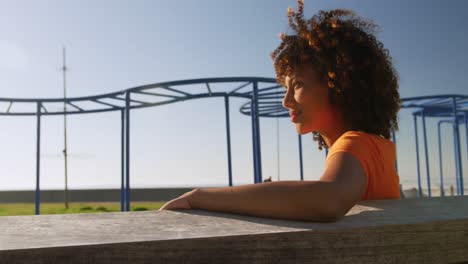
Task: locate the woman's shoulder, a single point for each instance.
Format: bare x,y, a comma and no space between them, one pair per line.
361,141
370,149
359,135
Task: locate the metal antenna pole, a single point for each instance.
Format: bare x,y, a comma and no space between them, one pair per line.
64,70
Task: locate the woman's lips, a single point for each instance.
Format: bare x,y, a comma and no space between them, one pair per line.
295,117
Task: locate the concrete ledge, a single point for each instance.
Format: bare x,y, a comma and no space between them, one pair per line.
431,230
97,195
137,195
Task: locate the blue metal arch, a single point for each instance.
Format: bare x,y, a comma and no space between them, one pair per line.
263,102
151,91
450,108
170,92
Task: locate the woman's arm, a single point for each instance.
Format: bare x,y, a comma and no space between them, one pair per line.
328,199
293,200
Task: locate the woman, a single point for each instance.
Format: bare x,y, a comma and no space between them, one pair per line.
341,87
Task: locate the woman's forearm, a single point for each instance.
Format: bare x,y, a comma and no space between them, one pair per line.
293,200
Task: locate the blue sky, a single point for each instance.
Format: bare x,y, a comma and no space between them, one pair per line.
114,45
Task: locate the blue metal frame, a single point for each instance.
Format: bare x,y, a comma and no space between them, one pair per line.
426,156
454,107
122,101
417,155
127,151
457,179
265,102
441,169
456,139
38,158
228,138
300,156
258,152
254,142
122,162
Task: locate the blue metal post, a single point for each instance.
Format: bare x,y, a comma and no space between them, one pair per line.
300,156
228,136
417,154
122,160
465,114
127,150
257,134
425,154
38,159
254,145
456,139
442,193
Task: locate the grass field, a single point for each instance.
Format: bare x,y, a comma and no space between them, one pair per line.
74,208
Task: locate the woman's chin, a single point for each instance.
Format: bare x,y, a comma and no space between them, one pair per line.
301,130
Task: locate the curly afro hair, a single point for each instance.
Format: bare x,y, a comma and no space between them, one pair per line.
354,65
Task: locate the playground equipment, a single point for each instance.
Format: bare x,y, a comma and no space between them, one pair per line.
155,95
452,109
263,96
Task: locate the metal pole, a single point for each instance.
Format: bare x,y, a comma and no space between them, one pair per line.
228,137
425,154
442,193
456,139
396,163
300,156
466,130
254,145
122,163
257,134
65,154
38,158
127,150
417,154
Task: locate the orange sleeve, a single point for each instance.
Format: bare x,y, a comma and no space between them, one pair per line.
377,157
358,146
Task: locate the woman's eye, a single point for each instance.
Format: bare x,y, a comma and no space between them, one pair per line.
297,85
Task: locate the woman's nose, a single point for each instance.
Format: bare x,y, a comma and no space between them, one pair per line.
288,100
285,104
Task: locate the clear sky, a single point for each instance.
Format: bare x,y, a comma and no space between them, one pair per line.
114,45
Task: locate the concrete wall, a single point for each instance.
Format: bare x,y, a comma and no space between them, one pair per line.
99,195
429,230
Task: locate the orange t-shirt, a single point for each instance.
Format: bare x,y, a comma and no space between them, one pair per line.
377,156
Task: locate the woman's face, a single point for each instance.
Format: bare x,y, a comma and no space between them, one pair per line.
307,101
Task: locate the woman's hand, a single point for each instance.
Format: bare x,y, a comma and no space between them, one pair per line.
181,202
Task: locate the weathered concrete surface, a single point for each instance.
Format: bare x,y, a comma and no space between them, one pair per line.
138,195
431,230
98,195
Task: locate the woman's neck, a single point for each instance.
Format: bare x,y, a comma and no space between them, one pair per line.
332,136
335,130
